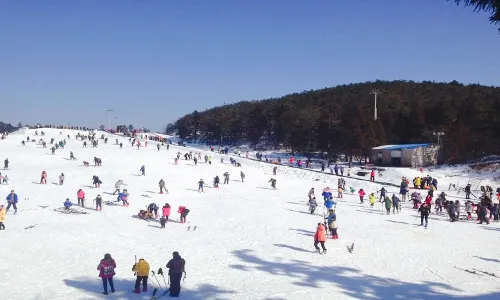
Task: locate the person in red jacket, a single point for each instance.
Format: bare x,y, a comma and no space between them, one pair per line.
106,270
320,238
184,212
361,196
372,175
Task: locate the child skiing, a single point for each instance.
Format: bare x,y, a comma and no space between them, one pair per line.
312,205
61,179
143,170
67,204
43,178
361,194
242,175
200,186
98,203
372,198
124,197
273,183
162,186
81,197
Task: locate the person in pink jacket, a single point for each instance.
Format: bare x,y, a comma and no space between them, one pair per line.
361,194
166,213
43,179
106,270
81,197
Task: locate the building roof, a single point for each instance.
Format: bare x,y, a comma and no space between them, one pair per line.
401,147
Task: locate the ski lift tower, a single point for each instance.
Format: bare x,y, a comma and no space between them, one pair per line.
109,118
439,135
375,92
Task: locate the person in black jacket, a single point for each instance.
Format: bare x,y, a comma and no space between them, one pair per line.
424,214
175,269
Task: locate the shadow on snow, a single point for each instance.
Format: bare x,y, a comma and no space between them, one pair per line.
350,281
124,287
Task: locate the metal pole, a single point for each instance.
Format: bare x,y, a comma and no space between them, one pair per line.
375,92
109,118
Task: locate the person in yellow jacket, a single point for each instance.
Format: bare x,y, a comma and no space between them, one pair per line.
142,270
372,198
417,182
2,217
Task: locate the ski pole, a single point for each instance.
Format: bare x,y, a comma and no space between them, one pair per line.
154,275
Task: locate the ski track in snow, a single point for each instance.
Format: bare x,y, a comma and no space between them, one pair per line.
251,242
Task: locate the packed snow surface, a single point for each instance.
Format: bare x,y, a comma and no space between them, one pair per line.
251,242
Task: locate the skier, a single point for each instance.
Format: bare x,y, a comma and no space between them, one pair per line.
320,238
67,204
372,198
242,175
329,203
216,181
340,191
118,186
6,164
98,203
273,183
43,178
12,199
184,212
312,205
161,183
2,217
226,178
96,181
61,179
468,209
424,214
388,204
5,179
142,270
143,170
195,161
158,147
395,204
71,156
482,215
200,185
311,194
275,169
467,190
106,268
383,192
81,197
175,269
332,223
124,197
372,175
121,145
361,194
153,208
166,213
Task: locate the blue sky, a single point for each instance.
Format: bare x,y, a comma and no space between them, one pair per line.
67,62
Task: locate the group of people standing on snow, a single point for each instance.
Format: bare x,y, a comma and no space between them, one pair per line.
176,268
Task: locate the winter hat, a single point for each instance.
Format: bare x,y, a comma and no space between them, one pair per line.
107,256
175,254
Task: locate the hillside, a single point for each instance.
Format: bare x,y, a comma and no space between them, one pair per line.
340,120
251,242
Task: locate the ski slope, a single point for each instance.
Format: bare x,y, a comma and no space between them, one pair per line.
251,242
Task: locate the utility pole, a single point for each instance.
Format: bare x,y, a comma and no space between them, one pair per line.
439,135
109,118
375,92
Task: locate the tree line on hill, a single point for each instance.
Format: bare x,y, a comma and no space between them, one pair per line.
340,120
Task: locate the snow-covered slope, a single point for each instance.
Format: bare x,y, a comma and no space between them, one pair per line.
251,242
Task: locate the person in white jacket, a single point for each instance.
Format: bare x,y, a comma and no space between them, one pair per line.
118,186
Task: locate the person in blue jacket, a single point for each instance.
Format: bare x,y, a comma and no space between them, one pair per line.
329,203
143,170
67,204
327,194
12,199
